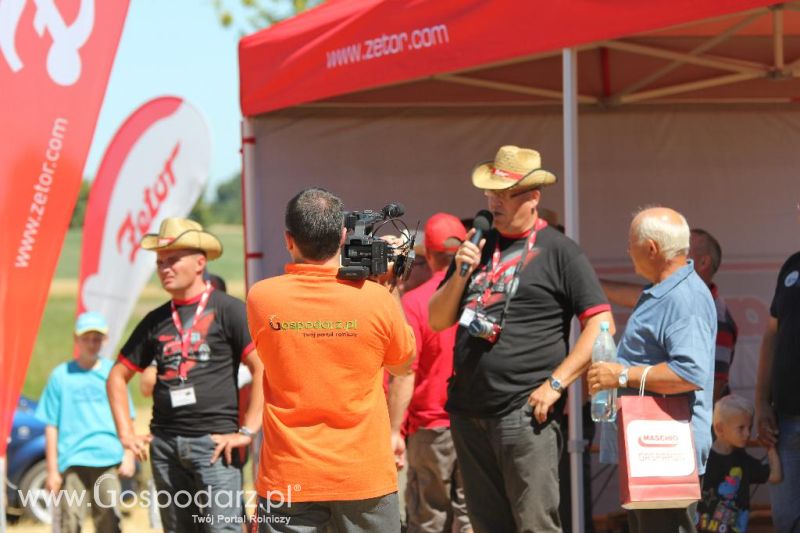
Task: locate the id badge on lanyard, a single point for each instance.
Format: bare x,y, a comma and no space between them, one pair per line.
184,394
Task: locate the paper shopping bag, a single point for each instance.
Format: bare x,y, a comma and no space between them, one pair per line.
657,461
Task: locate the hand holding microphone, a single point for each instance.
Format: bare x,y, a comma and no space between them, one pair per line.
469,254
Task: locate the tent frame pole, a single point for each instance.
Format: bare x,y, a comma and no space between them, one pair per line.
510,87
252,236
691,58
575,443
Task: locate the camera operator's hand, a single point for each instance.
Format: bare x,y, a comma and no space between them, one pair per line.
469,254
387,278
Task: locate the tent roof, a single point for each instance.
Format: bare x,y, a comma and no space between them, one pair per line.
439,52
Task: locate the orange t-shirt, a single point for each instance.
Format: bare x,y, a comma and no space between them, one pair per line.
324,343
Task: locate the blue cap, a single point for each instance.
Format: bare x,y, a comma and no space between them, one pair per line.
91,321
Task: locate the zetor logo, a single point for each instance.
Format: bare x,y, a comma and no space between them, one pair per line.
133,228
63,59
659,440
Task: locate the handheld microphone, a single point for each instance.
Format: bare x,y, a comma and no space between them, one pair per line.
482,223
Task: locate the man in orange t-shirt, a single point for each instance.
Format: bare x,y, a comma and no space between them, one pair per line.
327,458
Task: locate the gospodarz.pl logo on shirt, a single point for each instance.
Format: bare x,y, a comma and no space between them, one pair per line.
316,325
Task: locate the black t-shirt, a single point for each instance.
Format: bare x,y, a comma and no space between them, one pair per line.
786,361
219,340
725,506
556,283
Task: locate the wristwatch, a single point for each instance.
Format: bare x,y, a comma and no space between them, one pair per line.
246,432
623,377
555,383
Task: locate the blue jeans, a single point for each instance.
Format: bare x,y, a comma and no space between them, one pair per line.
192,494
785,495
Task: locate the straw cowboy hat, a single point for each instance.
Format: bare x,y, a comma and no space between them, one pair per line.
512,167
182,234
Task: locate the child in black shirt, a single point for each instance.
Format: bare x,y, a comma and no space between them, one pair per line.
730,470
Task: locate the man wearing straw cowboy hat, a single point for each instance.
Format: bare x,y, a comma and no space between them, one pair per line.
197,340
513,302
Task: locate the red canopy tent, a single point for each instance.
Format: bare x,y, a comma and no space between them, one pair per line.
456,51
682,103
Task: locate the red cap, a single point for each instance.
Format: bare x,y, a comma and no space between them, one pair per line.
441,227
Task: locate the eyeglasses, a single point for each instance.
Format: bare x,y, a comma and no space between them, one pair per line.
505,195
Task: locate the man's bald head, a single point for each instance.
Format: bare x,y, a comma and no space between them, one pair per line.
666,227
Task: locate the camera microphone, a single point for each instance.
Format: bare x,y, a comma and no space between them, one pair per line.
481,224
393,210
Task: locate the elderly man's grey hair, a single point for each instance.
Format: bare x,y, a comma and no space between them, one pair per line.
664,226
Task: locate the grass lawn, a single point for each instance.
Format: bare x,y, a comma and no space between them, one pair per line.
54,342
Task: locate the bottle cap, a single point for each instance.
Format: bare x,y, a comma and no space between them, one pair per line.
604,326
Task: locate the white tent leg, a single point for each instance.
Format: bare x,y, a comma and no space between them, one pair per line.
252,238
575,444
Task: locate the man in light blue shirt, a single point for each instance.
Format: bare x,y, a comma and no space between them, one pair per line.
82,448
672,331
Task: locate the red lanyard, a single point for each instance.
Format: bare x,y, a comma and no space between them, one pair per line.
186,336
497,269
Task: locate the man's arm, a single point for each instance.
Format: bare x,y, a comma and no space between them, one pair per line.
544,397
444,305
766,423
661,379
775,470
117,388
404,368
401,389
54,480
621,293
252,417
147,381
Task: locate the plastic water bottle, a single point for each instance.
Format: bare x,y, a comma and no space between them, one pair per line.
604,403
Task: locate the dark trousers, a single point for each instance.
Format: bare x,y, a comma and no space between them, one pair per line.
662,520
373,515
510,470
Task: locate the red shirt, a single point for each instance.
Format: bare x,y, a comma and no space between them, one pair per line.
434,363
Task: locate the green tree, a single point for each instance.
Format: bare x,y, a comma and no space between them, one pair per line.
228,203
202,212
259,14
80,205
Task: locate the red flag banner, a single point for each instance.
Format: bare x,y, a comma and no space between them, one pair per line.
155,167
55,60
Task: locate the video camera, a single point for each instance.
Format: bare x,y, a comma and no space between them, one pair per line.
365,255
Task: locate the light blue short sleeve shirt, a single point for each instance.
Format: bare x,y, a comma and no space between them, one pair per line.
76,403
674,322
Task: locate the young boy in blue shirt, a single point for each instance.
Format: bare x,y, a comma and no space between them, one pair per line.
83,452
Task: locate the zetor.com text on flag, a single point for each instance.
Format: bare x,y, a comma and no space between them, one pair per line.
388,44
41,190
